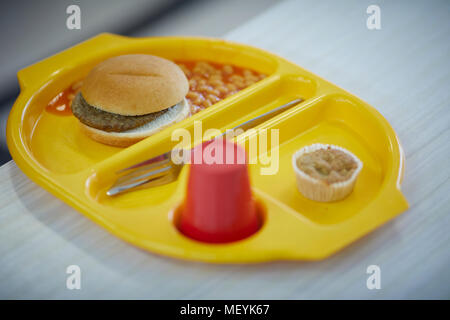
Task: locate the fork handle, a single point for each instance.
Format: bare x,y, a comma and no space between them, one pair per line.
265,116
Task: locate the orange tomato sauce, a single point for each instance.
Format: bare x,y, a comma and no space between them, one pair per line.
61,103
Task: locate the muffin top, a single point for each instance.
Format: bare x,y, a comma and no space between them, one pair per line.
328,165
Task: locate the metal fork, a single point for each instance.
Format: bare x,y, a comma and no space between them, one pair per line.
161,169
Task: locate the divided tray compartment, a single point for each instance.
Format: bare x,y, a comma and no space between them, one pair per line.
53,152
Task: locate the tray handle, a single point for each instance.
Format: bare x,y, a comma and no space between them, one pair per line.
37,73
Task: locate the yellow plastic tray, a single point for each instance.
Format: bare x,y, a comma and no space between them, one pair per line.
53,152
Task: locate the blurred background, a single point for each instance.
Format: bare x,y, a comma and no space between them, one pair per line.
34,30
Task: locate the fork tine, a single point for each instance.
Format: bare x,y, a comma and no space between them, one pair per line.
121,189
149,174
142,168
170,174
157,159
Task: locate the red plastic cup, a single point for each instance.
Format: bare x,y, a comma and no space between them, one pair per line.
219,206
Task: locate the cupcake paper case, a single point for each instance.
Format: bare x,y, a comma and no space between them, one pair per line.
319,190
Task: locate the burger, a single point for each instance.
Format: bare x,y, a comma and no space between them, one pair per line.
127,98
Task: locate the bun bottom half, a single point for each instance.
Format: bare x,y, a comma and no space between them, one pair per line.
175,114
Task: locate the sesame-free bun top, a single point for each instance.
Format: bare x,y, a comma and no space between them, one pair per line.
135,84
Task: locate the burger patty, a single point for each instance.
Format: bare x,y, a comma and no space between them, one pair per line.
107,121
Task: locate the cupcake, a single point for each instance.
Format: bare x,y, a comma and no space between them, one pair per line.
325,172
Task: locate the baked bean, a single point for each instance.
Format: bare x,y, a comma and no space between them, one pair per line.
235,77
192,95
227,69
197,77
192,83
212,90
199,100
222,89
239,83
247,73
196,108
215,77
212,97
249,82
203,88
207,103
251,78
215,83
231,87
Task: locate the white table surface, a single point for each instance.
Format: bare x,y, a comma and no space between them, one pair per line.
403,70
